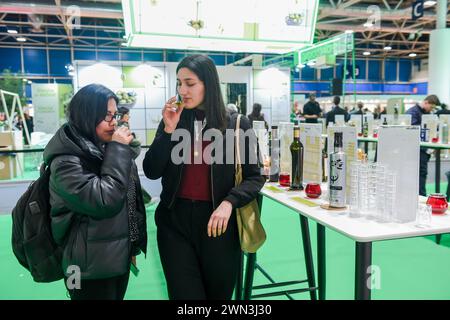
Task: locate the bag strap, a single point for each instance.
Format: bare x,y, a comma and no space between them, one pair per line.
237,146
238,167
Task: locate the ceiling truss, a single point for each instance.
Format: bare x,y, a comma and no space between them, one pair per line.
102,24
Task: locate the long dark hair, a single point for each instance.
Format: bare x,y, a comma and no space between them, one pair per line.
88,108
256,112
206,71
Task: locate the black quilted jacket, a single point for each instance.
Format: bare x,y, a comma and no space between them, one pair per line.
88,196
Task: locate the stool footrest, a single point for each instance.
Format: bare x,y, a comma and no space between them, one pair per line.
278,284
285,292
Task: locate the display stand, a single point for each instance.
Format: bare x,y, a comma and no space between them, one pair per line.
399,150
10,110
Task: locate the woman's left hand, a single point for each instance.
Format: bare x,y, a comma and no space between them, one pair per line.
218,222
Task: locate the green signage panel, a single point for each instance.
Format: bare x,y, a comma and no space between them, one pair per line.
333,46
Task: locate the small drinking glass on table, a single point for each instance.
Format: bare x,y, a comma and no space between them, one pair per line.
423,217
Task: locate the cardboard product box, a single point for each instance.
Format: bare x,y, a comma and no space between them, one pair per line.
8,166
11,163
11,138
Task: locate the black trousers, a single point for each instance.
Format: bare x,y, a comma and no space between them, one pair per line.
195,265
101,289
423,171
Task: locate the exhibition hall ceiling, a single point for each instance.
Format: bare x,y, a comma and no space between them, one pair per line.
382,27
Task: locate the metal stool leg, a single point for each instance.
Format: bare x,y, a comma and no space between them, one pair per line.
308,256
249,273
321,262
240,277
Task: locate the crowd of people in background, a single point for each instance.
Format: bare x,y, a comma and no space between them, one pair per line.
312,111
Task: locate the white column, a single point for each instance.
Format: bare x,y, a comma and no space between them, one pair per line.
439,63
441,14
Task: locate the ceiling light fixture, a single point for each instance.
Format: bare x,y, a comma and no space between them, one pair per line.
429,3
349,31
412,54
21,39
11,31
366,53
387,48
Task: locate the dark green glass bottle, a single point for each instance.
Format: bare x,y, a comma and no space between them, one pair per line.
297,161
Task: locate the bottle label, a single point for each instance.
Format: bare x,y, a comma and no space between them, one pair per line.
337,180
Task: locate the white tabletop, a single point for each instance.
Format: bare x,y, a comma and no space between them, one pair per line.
359,229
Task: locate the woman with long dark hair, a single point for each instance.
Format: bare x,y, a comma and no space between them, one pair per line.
98,214
257,115
196,223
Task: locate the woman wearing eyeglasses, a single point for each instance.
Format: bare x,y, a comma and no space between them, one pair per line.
98,214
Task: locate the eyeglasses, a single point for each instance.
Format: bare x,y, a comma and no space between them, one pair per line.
116,116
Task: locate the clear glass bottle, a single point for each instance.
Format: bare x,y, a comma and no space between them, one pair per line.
274,149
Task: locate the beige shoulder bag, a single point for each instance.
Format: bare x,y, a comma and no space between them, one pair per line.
251,232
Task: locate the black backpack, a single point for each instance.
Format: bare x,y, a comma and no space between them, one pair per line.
32,240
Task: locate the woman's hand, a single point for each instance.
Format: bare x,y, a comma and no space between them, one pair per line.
218,222
122,135
171,115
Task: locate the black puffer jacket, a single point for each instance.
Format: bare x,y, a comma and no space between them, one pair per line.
88,195
157,164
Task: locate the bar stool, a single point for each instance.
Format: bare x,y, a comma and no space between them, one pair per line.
244,287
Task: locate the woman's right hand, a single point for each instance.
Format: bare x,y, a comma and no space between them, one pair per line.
171,115
122,135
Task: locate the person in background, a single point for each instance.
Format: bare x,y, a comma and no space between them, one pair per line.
358,109
196,221
257,115
416,112
124,120
377,112
296,113
336,109
97,210
231,109
443,110
29,123
311,110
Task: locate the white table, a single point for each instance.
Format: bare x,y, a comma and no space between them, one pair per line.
362,230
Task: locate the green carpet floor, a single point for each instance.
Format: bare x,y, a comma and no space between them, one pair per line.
414,268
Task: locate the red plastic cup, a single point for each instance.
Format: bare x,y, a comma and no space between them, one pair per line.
435,140
285,180
438,202
313,190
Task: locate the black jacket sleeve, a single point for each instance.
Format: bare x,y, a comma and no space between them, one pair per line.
158,155
83,191
252,178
